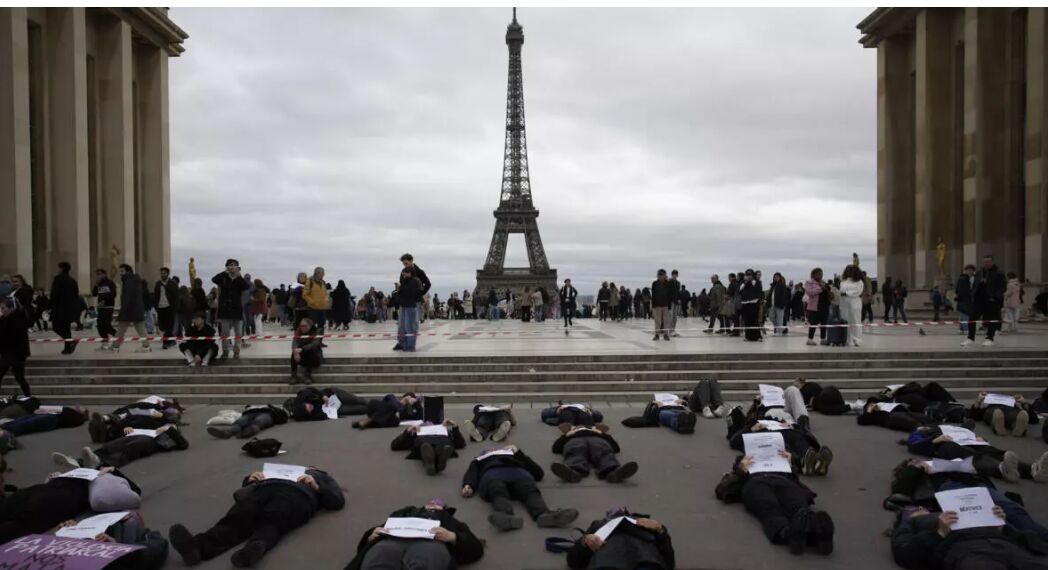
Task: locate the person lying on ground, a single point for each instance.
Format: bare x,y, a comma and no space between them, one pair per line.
792,410
636,541
453,543
706,400
434,445
120,452
827,401
1004,419
783,505
390,410
988,460
199,347
586,448
131,530
490,421
252,420
38,508
502,475
307,350
264,509
12,407
895,416
576,414
672,414
916,396
308,404
808,455
45,418
148,413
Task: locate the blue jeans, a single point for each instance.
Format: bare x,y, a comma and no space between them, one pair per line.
407,327
33,423
668,417
493,313
899,307
963,317
1016,514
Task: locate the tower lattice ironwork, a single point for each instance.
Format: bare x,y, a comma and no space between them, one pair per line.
516,213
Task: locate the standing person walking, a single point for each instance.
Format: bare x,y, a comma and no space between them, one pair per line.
259,294
778,300
718,294
568,294
899,294
867,299
165,299
888,297
538,304
852,289
663,294
818,308
963,296
1013,299
750,297
104,292
675,283
231,287
493,305
14,342
65,305
988,298
613,301
525,305
603,298
133,295
414,284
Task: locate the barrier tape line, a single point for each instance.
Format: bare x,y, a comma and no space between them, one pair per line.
348,336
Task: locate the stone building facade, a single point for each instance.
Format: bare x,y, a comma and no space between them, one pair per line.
962,140
84,167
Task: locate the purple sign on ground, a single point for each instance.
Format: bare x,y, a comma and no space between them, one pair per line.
47,552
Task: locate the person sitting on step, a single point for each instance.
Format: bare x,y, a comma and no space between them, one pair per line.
584,448
490,421
199,347
673,414
502,475
706,400
1004,419
808,455
264,510
636,541
574,414
988,460
148,413
434,445
390,410
308,403
307,350
252,420
119,452
453,543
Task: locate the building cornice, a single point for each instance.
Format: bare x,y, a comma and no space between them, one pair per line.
153,26
883,23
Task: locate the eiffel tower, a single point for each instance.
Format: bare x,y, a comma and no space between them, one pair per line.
516,213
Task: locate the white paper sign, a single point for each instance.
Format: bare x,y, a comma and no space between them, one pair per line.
147,432
579,407
772,425
764,448
153,400
331,407
50,410
887,406
407,423
609,527
894,387
951,465
432,430
82,473
91,527
772,395
410,527
281,471
489,409
961,436
1000,400
666,399
493,453
973,506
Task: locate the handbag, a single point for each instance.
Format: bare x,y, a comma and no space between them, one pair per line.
262,447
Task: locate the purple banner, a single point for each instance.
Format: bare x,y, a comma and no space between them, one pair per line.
47,552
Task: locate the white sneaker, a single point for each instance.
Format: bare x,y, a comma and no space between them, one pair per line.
1039,469
811,342
104,347
721,411
856,343
707,413
144,349
987,342
967,342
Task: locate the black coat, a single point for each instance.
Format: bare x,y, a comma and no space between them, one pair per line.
778,295
627,547
105,291
171,288
230,295
989,288
476,469
132,299
963,293
663,293
14,337
411,442
558,445
467,548
65,299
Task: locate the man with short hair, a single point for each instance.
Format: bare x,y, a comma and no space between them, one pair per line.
65,305
675,283
104,292
231,285
568,294
306,350
132,307
663,296
199,347
987,300
414,284
165,296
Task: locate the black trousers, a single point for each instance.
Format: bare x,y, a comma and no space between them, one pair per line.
501,495
867,313
1010,413
568,312
104,323
310,361
200,349
266,514
603,310
979,312
582,453
817,318
887,308
63,328
166,319
120,452
773,500
18,367
488,422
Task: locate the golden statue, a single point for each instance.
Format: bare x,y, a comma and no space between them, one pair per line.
114,256
192,271
940,255
855,259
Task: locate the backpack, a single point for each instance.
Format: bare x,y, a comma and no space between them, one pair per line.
262,447
729,489
945,412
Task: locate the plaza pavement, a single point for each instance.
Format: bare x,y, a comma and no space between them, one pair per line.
675,485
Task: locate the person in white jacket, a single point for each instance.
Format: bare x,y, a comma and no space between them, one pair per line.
851,302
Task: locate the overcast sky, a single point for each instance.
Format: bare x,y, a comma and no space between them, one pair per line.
705,140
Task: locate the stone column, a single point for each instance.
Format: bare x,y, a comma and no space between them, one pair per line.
16,215
895,160
69,222
154,183
1036,190
115,72
934,205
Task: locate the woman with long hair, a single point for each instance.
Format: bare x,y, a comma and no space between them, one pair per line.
852,289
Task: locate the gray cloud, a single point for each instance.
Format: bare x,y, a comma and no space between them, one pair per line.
707,140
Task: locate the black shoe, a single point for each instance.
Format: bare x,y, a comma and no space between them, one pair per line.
656,337
797,532
969,424
665,337
505,522
565,473
248,556
184,543
820,530
624,472
559,518
686,422
398,347
804,423
429,458
443,454
96,428
219,432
